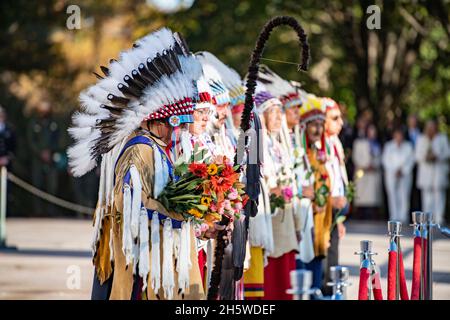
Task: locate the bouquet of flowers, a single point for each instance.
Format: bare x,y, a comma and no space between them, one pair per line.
280,201
350,195
321,190
205,192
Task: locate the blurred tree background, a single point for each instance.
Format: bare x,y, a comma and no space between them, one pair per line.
402,68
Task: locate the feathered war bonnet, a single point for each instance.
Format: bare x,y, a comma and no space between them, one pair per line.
214,77
204,97
230,79
284,90
312,108
153,80
329,104
264,99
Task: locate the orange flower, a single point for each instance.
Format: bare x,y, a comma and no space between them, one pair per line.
212,217
220,184
227,171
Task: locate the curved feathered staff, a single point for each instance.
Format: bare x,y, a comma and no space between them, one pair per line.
253,169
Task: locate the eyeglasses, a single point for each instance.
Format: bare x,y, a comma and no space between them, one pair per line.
204,112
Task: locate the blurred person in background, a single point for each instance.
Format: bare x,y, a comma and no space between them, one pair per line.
367,177
43,137
413,135
432,155
413,129
398,162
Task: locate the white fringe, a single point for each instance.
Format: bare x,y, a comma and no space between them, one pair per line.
127,242
113,155
184,259
186,145
144,250
209,263
168,282
159,172
177,245
136,202
109,172
155,268
96,236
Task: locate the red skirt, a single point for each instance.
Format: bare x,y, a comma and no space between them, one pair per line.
276,277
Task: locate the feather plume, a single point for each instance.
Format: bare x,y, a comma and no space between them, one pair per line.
157,71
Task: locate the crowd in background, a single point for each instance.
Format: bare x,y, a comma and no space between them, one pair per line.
402,170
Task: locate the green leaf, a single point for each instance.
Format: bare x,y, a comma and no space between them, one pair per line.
201,207
341,219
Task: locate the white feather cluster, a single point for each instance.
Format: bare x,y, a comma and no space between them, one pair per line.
275,84
229,77
165,91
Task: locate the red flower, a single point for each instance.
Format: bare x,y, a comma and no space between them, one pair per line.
199,169
220,184
324,177
227,171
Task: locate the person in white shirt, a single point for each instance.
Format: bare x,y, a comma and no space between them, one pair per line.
398,162
432,154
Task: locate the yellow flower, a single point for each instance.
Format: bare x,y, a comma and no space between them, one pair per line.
212,169
196,213
205,201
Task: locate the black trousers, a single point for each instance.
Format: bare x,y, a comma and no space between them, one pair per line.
101,291
332,259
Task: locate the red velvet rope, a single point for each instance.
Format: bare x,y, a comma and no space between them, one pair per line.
363,292
403,288
392,277
376,287
415,286
392,263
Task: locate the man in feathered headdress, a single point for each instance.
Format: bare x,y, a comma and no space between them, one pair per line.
316,210
129,120
218,131
338,179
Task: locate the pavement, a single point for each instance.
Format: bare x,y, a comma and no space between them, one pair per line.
52,258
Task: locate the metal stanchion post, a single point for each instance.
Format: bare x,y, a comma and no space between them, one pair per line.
418,219
366,254
429,259
394,229
339,281
301,281
3,201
